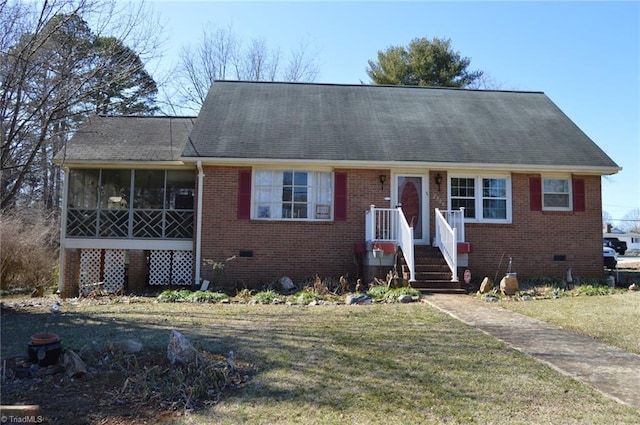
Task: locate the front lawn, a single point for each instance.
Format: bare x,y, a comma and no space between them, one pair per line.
330,364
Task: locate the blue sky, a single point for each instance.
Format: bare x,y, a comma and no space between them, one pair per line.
584,55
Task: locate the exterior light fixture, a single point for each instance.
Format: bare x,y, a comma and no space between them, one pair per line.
438,181
382,178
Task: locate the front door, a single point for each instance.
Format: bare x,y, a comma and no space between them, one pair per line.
411,195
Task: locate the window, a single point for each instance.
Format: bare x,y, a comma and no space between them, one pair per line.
293,195
556,194
485,199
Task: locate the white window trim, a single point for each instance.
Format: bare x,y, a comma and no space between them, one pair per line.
569,180
311,205
478,196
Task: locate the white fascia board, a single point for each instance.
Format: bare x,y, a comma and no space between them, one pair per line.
130,164
520,168
183,245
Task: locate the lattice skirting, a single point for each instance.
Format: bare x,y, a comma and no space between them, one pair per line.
114,270
111,272
90,266
170,267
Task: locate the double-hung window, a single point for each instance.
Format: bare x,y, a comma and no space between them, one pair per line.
293,195
484,198
556,194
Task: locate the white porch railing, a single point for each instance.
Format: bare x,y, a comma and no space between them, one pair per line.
450,231
390,225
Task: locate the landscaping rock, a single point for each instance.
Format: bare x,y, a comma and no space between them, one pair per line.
91,351
490,298
358,299
73,364
127,346
180,350
486,285
509,284
405,298
286,284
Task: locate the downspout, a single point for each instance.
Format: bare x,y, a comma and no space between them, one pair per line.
63,231
199,222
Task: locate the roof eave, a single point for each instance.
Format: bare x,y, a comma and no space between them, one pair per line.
521,168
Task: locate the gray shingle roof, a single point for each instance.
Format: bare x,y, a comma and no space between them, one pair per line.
127,138
295,121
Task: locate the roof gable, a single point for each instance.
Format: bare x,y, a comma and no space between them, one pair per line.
298,121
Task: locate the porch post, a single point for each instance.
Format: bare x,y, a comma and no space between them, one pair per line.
199,222
63,231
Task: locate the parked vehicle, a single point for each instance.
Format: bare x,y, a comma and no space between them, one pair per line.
615,243
610,257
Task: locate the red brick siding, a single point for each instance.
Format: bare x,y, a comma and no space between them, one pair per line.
534,237
137,281
71,276
280,248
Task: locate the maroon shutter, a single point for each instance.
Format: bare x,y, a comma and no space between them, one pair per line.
578,195
244,194
340,197
535,193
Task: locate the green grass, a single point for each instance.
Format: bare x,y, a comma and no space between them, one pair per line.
337,364
611,318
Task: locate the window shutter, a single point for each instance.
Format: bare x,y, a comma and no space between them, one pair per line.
578,195
340,197
535,193
244,194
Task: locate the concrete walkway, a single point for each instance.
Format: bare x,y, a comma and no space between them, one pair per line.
610,370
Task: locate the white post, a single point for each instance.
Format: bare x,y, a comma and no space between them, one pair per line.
63,230
199,222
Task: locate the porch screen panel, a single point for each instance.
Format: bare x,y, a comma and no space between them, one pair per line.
82,203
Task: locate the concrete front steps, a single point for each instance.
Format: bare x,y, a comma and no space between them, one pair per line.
432,272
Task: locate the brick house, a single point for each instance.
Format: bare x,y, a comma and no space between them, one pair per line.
295,180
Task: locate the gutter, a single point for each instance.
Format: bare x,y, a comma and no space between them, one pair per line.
436,165
199,222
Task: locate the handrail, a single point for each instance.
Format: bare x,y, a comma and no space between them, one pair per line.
390,225
447,241
405,241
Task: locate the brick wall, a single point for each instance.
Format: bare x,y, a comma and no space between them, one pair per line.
280,248
71,276
137,279
301,249
535,237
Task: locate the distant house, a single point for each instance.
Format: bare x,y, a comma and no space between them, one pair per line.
302,179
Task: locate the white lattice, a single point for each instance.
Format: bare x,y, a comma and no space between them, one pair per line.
89,267
159,267
181,273
114,270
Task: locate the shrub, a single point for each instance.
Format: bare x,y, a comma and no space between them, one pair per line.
206,297
172,296
592,290
306,296
384,293
265,297
28,252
